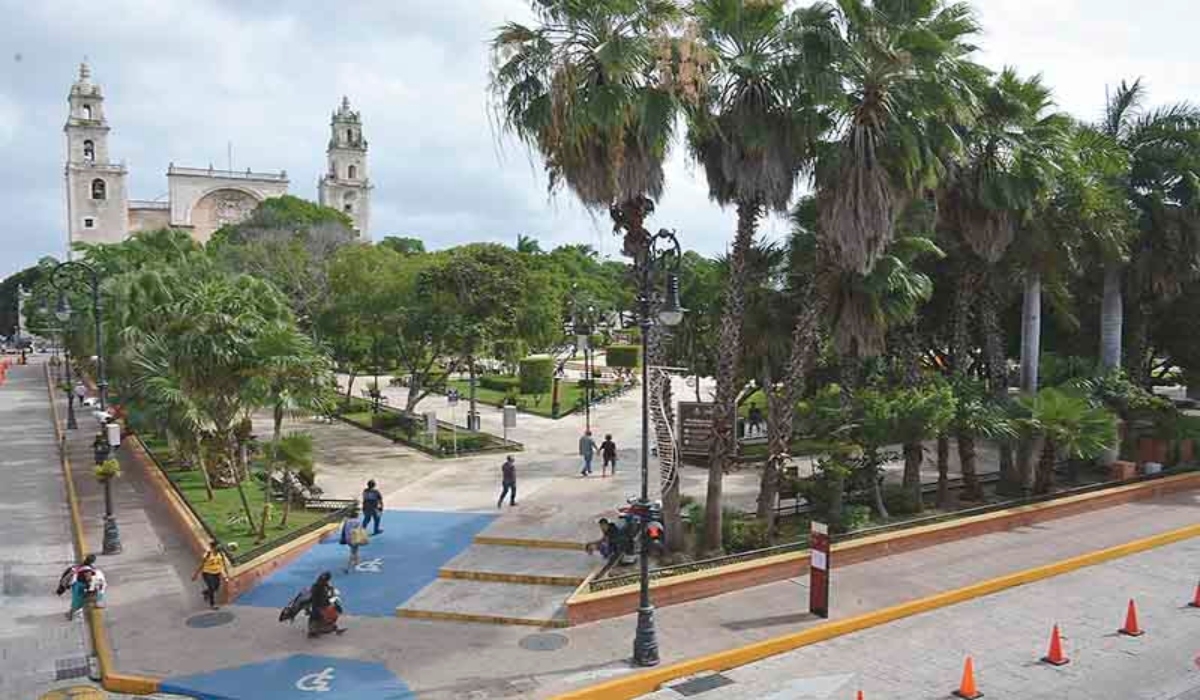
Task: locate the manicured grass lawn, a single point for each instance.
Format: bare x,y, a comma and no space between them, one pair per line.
569,394
468,441
224,515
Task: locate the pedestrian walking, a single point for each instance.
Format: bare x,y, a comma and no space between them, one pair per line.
324,607
755,417
353,536
587,449
508,480
608,455
76,579
212,568
372,506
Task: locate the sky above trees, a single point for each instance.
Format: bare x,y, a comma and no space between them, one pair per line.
183,79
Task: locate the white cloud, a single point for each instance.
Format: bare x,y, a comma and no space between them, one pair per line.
186,77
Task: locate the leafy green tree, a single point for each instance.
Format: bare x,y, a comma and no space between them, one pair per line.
1070,426
203,365
976,417
404,245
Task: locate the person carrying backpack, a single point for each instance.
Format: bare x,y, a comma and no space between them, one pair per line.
372,505
76,579
324,608
353,535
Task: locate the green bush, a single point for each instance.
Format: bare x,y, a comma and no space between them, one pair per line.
742,534
471,443
512,396
537,374
855,518
899,500
385,420
624,356
597,340
307,475
499,382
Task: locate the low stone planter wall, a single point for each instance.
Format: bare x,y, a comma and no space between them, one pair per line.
243,577
586,606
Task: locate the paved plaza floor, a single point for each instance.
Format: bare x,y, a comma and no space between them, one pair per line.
159,627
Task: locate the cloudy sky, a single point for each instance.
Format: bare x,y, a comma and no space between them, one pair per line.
184,78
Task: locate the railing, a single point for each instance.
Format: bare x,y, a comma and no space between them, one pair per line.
338,510
663,430
246,174
802,543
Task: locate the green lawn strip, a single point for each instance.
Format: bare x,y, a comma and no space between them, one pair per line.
569,394
468,440
800,447
224,515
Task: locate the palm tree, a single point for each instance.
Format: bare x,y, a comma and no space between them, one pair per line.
1009,164
906,81
1071,426
293,452
584,88
754,129
1154,178
976,417
922,413
293,379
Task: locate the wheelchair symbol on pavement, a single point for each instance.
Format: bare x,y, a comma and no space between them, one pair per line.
316,682
370,566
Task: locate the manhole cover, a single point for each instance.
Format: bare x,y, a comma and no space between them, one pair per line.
546,641
75,692
703,684
210,619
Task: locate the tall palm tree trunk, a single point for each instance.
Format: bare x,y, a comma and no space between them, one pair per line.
729,355
1112,316
276,436
242,470
943,467
972,490
1045,469
913,449
781,411
997,365
1031,348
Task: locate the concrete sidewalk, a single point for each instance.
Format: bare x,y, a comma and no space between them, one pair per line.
39,649
1007,633
451,661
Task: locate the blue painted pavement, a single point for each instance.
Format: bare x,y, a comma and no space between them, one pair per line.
395,566
294,678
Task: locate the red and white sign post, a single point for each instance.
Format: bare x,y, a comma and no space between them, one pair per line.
818,576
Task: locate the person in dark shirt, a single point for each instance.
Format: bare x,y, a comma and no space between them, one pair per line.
324,607
372,506
608,453
508,480
609,537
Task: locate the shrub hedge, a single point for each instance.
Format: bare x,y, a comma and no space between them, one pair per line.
626,356
499,382
537,374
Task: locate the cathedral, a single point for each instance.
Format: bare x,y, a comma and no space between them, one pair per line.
199,200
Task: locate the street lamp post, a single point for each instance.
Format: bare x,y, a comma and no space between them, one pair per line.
652,260
93,280
63,314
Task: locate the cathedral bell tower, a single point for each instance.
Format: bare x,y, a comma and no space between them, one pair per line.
345,186
97,201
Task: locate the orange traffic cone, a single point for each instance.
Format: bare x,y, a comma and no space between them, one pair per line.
859,696
1131,628
1196,600
967,689
1056,656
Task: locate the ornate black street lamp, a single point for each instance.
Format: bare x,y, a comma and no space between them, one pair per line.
61,280
660,256
63,314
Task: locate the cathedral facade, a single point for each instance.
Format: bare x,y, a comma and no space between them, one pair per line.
199,200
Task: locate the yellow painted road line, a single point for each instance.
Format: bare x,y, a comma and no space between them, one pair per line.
649,681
